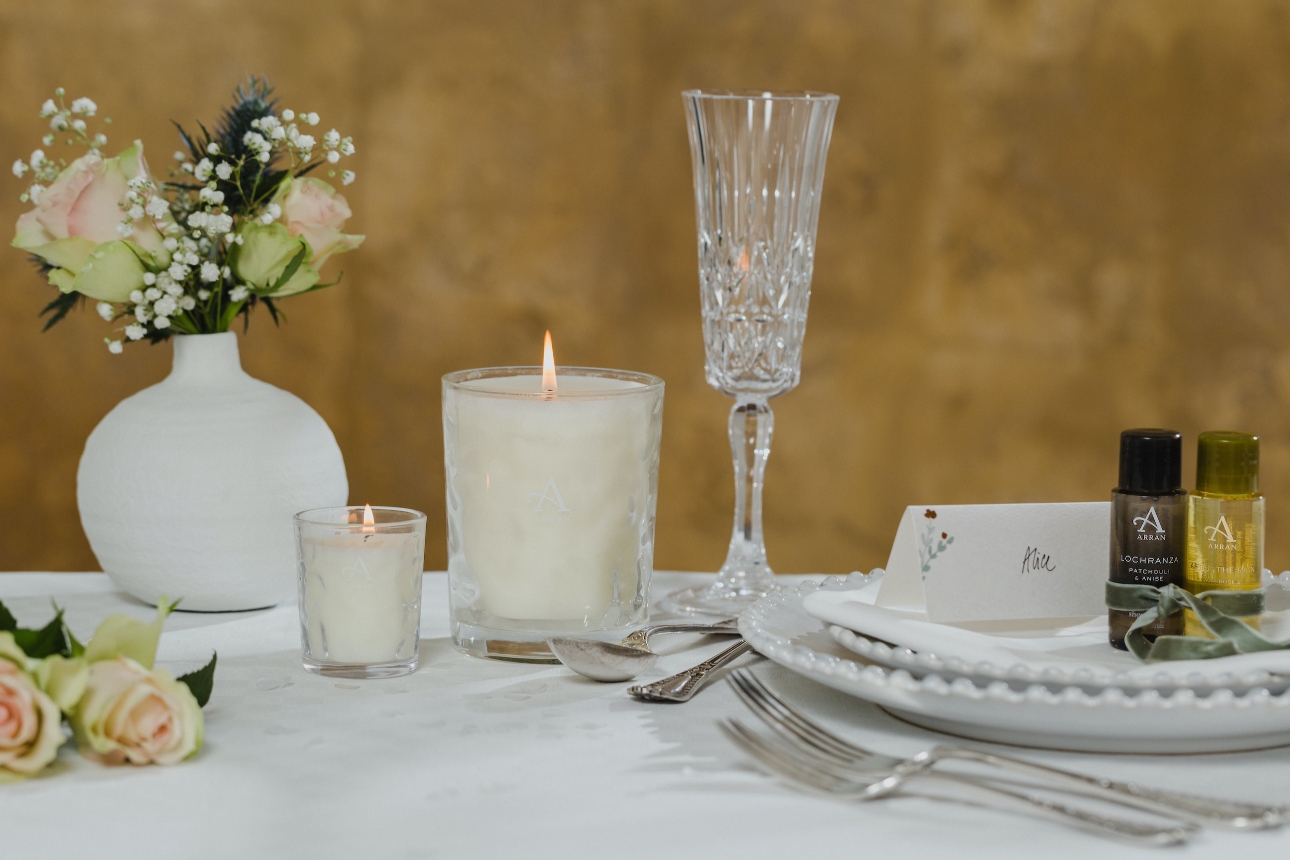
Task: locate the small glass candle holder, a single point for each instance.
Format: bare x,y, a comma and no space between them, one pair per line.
360,589
552,490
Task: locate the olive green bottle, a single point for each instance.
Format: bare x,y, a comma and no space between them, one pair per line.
1148,524
1224,520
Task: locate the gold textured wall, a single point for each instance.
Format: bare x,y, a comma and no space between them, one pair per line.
1043,222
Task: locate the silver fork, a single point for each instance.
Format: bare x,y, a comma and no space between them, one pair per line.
795,767
795,727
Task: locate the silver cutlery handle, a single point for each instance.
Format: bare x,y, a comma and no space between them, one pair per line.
640,638
680,687
1207,810
1070,815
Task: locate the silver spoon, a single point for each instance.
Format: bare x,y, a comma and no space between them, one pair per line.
622,661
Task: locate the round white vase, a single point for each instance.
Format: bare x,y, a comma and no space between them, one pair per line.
187,489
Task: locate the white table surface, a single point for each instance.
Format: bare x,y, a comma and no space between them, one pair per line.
471,758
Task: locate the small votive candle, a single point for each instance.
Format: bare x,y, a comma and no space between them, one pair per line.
360,572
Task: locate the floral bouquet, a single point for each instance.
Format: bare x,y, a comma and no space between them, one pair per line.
240,222
120,709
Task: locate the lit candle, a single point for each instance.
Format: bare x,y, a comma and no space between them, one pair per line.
360,589
552,483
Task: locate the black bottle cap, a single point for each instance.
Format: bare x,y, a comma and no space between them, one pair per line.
1150,461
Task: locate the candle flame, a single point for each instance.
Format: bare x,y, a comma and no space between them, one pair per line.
548,366
369,521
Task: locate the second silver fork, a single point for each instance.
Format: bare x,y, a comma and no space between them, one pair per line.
793,726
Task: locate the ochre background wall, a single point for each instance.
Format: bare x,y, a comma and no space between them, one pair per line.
1043,222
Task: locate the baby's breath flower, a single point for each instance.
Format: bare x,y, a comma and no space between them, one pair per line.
287,115
105,310
149,278
178,271
48,139
19,168
226,271
136,296
179,156
135,332
37,159
141,313
84,107
312,118
333,156
187,303
158,207
186,167
346,177
78,125
191,259
135,212
223,170
347,146
114,346
212,148
48,109
331,139
211,196
170,244
152,294
59,123
173,289
161,322
203,294
164,307
278,133
124,229
210,272
203,170
35,191
99,140
238,293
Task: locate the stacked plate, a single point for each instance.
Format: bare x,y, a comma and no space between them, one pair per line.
1055,684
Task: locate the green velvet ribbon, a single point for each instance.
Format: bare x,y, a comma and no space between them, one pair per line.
1219,611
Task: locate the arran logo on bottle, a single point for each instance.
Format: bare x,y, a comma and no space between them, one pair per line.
1153,520
549,503
1222,529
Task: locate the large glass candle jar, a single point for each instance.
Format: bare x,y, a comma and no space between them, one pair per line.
360,589
552,488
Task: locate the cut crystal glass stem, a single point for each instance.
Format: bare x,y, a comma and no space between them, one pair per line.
751,425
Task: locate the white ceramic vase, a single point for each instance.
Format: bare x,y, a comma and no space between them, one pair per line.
187,489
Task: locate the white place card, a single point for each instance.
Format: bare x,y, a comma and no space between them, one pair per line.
1000,562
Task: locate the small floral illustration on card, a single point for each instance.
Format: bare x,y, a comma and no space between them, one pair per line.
929,545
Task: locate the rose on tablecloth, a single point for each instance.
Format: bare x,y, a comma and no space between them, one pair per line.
121,709
130,714
31,728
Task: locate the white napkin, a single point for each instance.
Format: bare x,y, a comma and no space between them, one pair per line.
1066,648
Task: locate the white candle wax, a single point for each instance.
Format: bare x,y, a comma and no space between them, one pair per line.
555,495
362,597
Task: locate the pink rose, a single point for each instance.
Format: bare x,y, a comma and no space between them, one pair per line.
30,723
78,213
313,210
130,714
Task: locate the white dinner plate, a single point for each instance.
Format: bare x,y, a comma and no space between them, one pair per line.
1069,718
1056,654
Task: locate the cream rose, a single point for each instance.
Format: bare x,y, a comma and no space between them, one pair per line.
313,210
131,715
30,723
74,228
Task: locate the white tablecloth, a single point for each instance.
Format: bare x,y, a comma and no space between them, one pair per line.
473,758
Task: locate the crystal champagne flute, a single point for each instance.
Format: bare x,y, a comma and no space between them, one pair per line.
758,162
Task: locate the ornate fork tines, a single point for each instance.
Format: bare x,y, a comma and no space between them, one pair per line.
789,763
797,728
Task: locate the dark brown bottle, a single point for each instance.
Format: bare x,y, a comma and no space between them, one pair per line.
1148,523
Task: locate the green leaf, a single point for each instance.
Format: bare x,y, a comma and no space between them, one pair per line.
201,682
74,646
182,323
290,270
323,286
45,642
230,310
7,621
